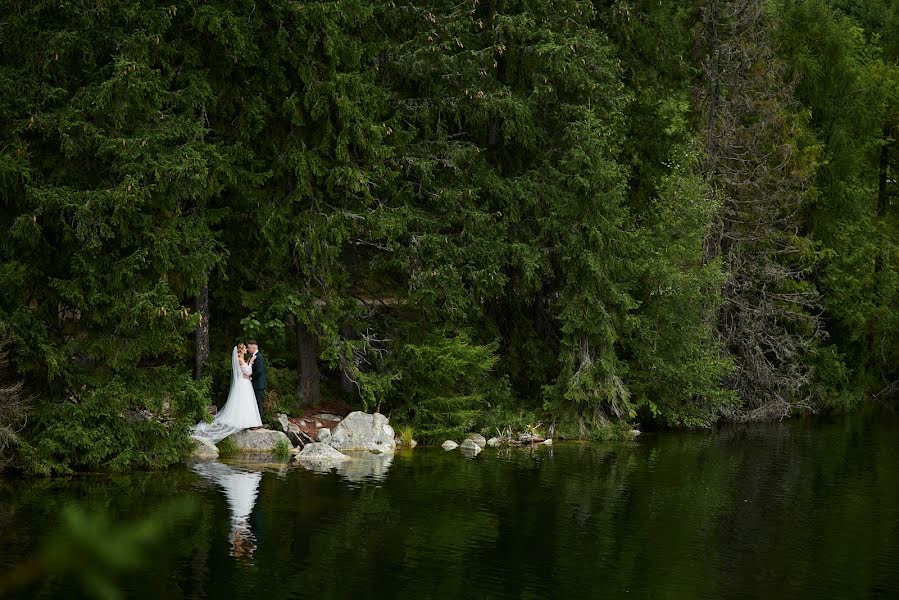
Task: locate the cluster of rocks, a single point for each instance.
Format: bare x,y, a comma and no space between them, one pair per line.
317,442
474,443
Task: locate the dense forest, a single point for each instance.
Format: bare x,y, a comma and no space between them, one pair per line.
463,214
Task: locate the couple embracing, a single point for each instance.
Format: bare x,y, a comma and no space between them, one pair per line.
243,409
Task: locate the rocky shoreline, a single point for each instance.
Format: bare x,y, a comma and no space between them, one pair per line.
318,440
324,441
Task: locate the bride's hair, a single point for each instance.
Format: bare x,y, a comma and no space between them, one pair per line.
241,347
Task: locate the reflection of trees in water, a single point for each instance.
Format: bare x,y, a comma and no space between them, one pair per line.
710,514
88,536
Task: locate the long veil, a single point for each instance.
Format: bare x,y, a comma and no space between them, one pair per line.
219,429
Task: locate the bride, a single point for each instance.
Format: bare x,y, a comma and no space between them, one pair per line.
240,410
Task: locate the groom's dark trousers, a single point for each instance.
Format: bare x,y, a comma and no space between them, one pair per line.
258,379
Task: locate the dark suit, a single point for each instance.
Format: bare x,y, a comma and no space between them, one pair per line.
258,379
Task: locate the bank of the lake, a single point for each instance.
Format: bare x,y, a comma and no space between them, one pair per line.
794,509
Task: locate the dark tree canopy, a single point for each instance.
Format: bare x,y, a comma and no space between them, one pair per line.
466,215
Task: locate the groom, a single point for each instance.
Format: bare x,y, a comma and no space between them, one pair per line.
258,376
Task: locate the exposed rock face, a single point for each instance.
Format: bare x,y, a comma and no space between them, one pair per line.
260,440
204,450
470,448
320,457
449,445
362,431
477,438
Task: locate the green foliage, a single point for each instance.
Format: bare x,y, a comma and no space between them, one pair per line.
281,391
282,449
227,449
105,428
507,416
484,215
445,387
97,550
844,55
406,433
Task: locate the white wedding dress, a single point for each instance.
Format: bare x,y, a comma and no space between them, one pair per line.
240,410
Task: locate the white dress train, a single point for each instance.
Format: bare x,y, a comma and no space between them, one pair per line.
240,410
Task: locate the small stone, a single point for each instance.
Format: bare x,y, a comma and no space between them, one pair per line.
303,422
635,432
282,420
318,424
548,442
323,435
449,445
413,444
477,438
327,417
494,441
470,448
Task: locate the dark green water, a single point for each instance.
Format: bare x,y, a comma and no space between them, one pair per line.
792,510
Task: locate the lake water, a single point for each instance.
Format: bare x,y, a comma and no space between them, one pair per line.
786,510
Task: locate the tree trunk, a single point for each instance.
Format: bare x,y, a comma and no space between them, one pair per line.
347,386
883,190
307,357
202,349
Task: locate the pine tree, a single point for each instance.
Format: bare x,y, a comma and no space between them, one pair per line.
105,235
849,84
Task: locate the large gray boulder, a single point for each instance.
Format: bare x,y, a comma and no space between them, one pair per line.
362,431
449,445
259,440
470,448
478,439
204,450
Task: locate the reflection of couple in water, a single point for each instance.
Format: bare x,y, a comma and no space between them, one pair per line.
242,544
241,488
